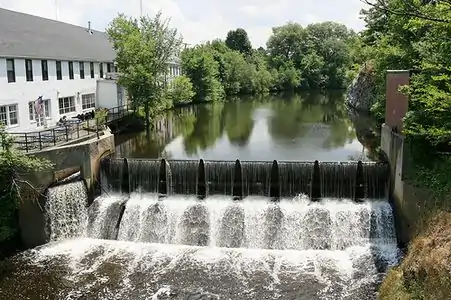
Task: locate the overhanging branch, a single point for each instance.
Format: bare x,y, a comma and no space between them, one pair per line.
410,9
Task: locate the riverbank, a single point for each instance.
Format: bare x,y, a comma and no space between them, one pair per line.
425,271
423,209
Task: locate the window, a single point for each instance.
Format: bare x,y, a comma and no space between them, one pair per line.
101,70
88,101
91,69
82,70
8,115
71,70
29,69
108,68
45,112
66,105
59,72
45,70
11,70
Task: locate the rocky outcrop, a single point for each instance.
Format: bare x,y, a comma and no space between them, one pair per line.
361,93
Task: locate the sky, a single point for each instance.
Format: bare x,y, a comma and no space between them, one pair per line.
200,20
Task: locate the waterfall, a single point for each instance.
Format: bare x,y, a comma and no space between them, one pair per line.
145,245
111,174
66,210
219,177
143,175
256,222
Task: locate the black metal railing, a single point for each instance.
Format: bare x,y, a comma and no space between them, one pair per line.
70,131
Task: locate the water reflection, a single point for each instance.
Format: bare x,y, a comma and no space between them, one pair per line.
298,127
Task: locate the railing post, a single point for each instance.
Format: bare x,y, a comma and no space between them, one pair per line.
78,130
54,137
40,141
26,142
67,133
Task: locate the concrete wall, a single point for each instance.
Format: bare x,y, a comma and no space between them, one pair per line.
22,92
109,94
397,103
410,202
84,157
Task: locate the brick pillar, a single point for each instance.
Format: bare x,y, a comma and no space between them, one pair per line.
397,104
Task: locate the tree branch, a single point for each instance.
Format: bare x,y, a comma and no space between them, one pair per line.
411,10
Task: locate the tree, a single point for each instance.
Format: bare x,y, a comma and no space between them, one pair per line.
14,166
200,66
181,90
238,40
143,49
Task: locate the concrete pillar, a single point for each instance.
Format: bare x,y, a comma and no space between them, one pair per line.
397,103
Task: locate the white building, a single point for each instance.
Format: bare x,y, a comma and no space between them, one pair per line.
61,62
55,60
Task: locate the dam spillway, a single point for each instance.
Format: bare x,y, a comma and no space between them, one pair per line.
350,180
174,229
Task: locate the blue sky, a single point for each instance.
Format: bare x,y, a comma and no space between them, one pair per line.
200,20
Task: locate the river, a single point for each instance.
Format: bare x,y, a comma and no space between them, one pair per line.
309,126
141,246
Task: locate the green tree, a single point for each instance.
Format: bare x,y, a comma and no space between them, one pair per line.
14,188
238,40
202,69
143,49
180,90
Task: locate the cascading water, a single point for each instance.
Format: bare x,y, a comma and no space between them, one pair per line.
111,175
67,211
143,246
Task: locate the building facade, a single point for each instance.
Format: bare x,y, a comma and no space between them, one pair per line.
48,70
58,63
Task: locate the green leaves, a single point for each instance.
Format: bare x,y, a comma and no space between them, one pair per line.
144,48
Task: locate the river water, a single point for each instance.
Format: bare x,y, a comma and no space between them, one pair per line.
299,127
140,246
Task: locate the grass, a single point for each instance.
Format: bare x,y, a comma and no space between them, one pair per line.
425,272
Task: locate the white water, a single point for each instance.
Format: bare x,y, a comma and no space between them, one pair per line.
216,248
254,222
67,211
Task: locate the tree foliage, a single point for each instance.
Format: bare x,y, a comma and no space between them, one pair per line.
143,49
318,56
180,90
238,40
413,34
14,166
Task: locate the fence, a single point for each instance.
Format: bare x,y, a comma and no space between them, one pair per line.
72,130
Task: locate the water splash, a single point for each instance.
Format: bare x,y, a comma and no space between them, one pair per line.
66,211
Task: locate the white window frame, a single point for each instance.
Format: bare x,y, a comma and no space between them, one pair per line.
32,112
88,101
8,110
67,109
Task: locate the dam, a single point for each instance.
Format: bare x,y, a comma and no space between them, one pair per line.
201,229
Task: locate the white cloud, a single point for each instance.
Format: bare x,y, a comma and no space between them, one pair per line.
200,20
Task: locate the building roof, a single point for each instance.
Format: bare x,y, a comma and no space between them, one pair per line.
27,36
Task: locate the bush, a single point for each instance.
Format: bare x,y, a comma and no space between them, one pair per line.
180,90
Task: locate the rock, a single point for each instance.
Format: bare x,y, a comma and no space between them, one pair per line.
361,93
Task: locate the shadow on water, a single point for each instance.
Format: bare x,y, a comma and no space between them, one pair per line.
305,126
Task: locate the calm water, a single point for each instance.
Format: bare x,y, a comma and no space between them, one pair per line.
299,127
